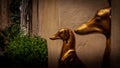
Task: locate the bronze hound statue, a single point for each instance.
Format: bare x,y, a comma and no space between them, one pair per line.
101,23
68,57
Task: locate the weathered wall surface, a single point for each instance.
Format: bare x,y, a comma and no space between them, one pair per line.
4,14
115,53
56,14
49,24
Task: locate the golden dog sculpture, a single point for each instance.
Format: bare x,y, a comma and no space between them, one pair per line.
68,57
101,23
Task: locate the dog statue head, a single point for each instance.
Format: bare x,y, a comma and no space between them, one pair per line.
101,23
63,34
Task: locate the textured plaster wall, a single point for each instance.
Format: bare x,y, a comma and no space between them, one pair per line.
115,53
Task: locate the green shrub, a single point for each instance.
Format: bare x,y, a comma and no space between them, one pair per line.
8,34
26,50
12,31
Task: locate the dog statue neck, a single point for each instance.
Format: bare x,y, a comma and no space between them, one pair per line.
68,44
106,57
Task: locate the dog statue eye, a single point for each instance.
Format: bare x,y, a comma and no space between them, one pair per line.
98,19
